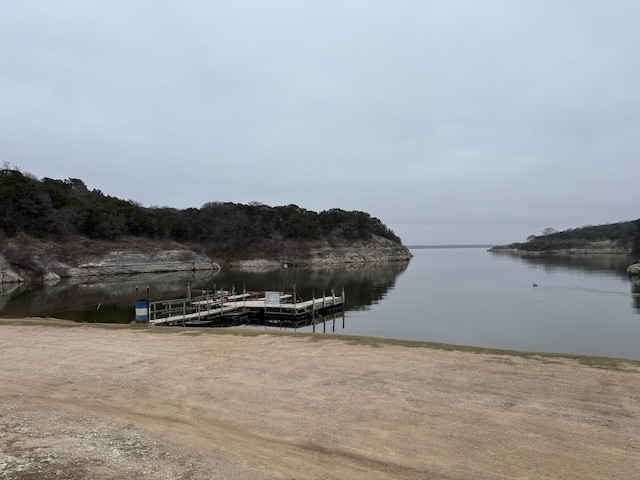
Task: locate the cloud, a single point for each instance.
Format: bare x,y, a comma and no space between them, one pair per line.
455,121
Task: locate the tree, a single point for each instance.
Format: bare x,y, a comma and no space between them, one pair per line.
62,208
549,231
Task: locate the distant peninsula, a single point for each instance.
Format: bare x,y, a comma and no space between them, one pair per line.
60,228
613,238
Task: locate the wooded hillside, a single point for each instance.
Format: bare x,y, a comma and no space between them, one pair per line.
58,209
624,234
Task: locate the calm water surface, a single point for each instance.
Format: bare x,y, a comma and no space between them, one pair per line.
582,305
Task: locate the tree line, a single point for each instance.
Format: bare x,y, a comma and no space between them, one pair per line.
59,209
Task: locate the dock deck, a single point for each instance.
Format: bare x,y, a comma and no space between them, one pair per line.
268,308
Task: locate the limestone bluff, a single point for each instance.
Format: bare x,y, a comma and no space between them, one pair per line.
50,261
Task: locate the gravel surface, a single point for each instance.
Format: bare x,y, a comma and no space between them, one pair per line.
96,402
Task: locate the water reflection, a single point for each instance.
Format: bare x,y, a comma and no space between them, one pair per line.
111,299
6,291
605,264
88,299
615,264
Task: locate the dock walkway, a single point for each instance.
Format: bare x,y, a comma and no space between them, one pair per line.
216,309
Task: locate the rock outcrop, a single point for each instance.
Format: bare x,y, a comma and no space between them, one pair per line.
50,261
604,247
376,250
127,262
608,247
329,253
7,275
634,270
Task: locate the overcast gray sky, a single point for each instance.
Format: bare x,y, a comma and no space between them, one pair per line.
452,121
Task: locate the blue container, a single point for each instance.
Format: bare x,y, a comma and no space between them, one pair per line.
142,311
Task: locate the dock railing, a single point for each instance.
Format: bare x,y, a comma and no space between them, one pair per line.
211,305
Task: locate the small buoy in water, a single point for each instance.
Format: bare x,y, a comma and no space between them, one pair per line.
535,284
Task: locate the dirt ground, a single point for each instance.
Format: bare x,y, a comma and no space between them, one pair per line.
90,402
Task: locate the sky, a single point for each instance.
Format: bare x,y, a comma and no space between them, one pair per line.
453,122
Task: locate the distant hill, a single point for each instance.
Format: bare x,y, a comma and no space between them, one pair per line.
60,208
64,212
621,237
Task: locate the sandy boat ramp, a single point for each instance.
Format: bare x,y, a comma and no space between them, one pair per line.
96,402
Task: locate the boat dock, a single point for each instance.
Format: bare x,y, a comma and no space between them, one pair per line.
222,308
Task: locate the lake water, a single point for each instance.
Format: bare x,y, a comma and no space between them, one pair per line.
582,304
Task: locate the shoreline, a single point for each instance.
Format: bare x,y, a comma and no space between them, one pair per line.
593,360
115,401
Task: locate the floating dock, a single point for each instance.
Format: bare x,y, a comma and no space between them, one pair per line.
223,308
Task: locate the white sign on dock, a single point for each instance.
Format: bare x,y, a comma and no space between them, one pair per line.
272,298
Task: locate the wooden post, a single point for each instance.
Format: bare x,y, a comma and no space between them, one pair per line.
342,299
295,300
221,301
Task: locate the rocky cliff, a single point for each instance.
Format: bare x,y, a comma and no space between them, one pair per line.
7,274
634,270
24,258
602,247
35,260
118,263
327,253
128,262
